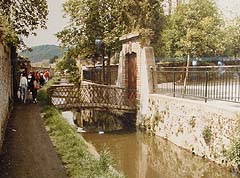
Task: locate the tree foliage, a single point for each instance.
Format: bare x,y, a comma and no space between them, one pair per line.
24,16
108,20
232,41
6,32
194,29
68,65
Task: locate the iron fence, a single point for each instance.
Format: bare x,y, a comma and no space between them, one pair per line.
95,75
208,82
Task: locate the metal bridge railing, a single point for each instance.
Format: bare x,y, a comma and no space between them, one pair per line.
216,83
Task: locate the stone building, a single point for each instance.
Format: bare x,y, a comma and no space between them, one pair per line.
6,87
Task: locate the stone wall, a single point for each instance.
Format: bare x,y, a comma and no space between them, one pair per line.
206,129
5,88
145,62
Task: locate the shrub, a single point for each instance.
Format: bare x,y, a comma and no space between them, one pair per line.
192,122
207,134
42,95
233,154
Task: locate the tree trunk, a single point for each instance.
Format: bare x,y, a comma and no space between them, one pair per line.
177,3
169,7
186,75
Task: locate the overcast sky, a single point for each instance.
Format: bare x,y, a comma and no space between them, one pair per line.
56,22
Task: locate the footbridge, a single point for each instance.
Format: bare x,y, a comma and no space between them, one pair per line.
92,96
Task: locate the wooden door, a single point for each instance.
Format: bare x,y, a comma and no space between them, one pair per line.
132,71
131,76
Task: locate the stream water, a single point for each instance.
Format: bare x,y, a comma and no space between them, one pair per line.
138,155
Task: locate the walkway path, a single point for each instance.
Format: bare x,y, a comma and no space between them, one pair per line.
29,152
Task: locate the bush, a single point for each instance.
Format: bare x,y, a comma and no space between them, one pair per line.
207,134
42,95
233,154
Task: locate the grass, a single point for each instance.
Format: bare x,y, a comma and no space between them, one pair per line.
71,148
42,95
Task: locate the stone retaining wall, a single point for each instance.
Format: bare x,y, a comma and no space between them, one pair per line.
206,129
5,88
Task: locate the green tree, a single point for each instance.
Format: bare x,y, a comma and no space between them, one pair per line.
24,16
194,30
108,19
232,42
6,32
53,59
68,65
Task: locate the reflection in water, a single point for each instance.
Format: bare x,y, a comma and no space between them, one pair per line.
97,120
138,155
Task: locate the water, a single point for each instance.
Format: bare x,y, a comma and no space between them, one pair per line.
138,155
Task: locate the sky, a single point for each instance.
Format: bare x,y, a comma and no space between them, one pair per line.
229,8
56,22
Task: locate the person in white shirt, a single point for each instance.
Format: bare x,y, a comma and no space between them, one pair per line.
23,84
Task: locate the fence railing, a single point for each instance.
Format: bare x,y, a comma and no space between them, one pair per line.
95,75
208,82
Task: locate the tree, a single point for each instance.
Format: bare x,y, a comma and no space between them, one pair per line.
24,16
6,32
232,34
69,65
108,19
53,59
194,30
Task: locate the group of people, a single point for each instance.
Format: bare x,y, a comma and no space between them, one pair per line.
33,82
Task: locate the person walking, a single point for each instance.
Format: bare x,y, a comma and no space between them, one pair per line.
46,76
23,84
35,89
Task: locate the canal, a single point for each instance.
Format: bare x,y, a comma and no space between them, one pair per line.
138,155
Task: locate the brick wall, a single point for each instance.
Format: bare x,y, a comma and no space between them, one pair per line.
5,88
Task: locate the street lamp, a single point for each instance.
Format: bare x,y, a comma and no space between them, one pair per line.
100,45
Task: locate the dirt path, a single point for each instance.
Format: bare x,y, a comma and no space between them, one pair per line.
29,152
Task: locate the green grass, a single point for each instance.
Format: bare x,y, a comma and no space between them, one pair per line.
42,95
71,147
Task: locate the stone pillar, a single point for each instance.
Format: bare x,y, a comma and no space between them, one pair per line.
145,61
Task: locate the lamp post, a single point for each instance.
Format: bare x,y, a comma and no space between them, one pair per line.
100,46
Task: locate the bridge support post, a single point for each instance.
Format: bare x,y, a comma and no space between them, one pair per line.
145,70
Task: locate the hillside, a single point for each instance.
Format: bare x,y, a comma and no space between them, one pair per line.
42,52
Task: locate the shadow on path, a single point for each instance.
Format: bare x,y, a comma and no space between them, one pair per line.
28,151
